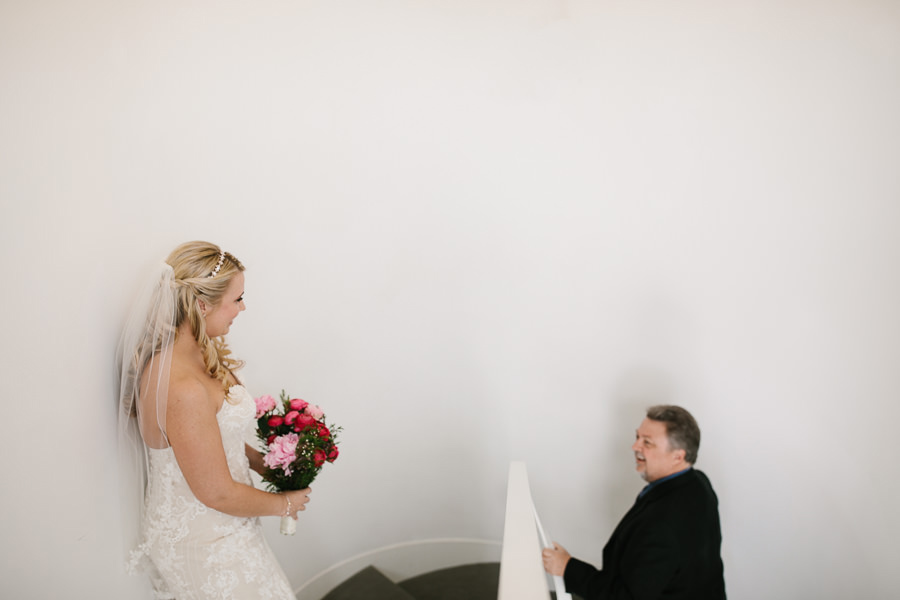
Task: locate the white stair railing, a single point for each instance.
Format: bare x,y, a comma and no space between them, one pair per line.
522,575
558,581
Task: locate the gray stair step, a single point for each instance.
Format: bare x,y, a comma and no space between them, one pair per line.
368,584
468,582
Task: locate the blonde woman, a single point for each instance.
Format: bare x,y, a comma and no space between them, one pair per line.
186,418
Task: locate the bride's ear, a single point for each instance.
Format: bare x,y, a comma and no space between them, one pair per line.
203,307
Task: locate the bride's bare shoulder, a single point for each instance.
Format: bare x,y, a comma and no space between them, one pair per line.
187,388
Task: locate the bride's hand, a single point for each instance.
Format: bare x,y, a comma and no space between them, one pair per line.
299,498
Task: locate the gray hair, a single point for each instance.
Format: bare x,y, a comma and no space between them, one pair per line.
681,429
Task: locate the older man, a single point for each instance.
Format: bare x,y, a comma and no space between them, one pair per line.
668,544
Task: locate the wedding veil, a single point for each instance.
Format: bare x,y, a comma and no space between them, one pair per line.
146,342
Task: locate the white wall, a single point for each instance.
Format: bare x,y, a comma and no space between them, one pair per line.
476,232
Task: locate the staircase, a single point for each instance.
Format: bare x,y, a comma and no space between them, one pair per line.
523,575
467,582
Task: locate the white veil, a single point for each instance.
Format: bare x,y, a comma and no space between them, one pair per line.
148,335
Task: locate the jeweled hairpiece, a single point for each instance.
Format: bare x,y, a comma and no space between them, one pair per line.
218,265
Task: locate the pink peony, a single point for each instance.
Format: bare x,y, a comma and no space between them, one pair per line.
282,452
315,412
263,405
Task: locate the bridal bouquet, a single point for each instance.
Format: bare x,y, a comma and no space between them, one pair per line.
296,444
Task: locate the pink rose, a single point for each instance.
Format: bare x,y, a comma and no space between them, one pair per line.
275,420
315,412
298,404
282,452
263,405
291,417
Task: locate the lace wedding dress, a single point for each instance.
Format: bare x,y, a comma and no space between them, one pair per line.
197,552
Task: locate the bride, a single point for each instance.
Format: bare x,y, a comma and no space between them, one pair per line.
186,417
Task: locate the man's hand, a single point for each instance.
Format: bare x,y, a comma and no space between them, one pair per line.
555,559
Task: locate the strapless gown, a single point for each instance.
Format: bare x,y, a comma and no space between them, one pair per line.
194,552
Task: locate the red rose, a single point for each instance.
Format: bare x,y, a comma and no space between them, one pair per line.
275,420
303,421
291,417
298,404
270,438
319,458
332,454
323,431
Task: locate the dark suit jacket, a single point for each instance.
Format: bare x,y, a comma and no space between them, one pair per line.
667,546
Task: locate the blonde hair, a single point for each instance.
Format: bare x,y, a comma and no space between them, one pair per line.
202,273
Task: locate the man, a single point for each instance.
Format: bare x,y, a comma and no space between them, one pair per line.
668,544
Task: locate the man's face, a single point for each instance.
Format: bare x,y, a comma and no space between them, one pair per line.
654,459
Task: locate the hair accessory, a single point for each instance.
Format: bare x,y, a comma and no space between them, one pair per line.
218,265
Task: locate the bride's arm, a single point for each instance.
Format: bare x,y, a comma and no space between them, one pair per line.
193,433
255,457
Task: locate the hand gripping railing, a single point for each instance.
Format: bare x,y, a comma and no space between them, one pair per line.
522,574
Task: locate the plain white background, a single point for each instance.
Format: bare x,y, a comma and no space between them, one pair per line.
475,232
